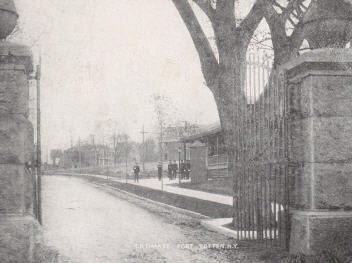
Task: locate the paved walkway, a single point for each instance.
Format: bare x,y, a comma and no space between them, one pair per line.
171,187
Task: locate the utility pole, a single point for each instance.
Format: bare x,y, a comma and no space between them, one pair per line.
114,148
104,153
95,152
126,156
179,165
47,154
108,159
161,155
63,157
79,155
143,148
39,146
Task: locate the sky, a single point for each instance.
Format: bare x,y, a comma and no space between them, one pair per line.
104,60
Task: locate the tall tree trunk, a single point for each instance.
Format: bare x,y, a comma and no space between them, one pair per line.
230,99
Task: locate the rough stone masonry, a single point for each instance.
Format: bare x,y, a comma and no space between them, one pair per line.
18,226
321,150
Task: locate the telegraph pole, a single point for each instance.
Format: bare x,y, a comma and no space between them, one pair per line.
70,153
79,155
104,153
161,155
63,157
39,145
126,156
143,148
95,152
108,159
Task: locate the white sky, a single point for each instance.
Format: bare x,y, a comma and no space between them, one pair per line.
104,59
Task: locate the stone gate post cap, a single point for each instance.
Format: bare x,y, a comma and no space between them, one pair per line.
11,53
321,56
8,18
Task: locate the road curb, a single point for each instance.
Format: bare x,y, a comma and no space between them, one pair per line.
198,206
180,210
217,225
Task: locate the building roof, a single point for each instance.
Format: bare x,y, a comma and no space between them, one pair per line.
205,131
175,133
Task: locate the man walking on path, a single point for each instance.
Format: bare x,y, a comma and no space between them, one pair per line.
136,171
174,170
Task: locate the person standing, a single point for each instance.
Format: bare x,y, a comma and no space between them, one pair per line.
188,169
182,170
136,171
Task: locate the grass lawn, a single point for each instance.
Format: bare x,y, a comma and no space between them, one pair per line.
222,185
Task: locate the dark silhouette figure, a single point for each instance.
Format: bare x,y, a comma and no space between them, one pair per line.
136,171
174,170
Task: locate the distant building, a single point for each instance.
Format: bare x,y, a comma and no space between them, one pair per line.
173,149
87,155
216,155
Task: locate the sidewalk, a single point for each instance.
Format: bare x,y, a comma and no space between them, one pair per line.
172,187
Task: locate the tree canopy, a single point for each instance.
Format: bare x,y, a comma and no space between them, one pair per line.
231,36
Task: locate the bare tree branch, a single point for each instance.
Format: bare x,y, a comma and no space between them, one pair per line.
248,26
297,35
269,11
207,57
285,46
278,5
292,6
206,7
303,6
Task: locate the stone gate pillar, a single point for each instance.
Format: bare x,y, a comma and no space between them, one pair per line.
321,150
17,222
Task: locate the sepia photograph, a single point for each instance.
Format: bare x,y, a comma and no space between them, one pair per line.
175,131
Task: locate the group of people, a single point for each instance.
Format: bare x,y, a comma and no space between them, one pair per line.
185,169
172,168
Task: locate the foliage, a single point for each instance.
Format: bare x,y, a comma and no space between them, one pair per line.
149,151
223,70
121,146
55,154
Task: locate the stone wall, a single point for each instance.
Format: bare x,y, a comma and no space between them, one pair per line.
321,151
19,230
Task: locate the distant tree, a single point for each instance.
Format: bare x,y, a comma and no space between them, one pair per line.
149,150
126,147
119,145
55,154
